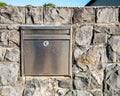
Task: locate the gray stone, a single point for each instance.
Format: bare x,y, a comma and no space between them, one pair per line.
81,50
81,74
97,92
75,69
112,80
65,84
14,38
3,27
57,15
34,15
93,83
28,92
69,93
74,93
8,74
82,68
4,36
40,87
115,29
100,28
81,83
10,91
87,81
84,35
78,52
92,57
62,92
99,38
98,76
112,76
112,49
13,27
13,54
9,38
100,34
83,93
9,27
82,15
2,53
12,14
107,15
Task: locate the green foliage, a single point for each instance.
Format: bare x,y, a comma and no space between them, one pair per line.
49,4
3,4
28,5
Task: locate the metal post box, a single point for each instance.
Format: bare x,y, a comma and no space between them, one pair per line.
46,50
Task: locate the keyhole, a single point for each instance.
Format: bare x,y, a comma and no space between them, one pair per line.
46,43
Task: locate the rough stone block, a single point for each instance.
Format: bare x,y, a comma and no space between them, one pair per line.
75,69
12,14
97,92
86,82
83,93
84,35
115,29
34,15
100,34
9,38
13,54
39,87
81,83
10,91
112,49
29,92
112,80
9,27
57,15
81,15
107,15
97,75
62,92
93,57
80,50
3,27
99,38
100,28
2,53
69,93
13,27
65,84
8,74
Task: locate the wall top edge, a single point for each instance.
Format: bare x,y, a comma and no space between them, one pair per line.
62,7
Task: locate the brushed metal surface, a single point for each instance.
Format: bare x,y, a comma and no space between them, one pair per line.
40,59
48,31
46,37
45,27
46,50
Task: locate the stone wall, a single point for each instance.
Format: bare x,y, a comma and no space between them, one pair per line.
96,51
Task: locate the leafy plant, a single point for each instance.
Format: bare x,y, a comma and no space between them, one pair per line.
3,4
49,4
28,5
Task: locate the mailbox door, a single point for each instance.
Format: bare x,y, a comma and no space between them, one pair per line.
46,57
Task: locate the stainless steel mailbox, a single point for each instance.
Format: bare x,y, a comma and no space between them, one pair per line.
46,50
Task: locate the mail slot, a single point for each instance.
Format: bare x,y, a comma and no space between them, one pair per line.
46,50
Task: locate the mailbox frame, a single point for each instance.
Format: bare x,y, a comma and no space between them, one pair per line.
69,37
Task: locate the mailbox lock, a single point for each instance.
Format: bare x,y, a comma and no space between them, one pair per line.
45,43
